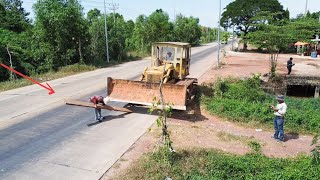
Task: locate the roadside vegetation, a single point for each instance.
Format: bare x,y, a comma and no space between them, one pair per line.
213,164
62,72
245,101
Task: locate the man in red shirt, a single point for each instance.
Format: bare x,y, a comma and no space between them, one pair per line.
97,111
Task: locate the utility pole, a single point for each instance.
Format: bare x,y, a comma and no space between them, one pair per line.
113,7
306,10
106,29
219,43
232,37
209,40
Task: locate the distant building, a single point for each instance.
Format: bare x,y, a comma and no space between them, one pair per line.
307,49
316,44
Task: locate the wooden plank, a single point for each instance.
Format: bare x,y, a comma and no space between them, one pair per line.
88,104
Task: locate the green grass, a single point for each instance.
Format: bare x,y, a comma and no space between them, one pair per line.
62,72
255,146
214,164
245,102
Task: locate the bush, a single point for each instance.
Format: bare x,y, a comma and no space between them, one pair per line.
245,101
76,68
213,164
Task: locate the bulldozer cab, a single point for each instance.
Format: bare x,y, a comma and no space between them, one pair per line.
176,54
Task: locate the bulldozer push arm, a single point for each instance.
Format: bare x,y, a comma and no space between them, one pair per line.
177,95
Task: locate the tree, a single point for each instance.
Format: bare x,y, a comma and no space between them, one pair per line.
13,16
17,44
119,31
97,40
187,29
158,27
225,36
118,36
2,15
93,14
129,28
209,34
276,38
129,33
59,34
314,15
154,28
14,38
138,40
242,13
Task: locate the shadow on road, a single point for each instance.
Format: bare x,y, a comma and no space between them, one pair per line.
134,108
108,118
192,114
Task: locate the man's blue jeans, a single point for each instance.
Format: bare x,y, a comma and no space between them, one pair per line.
278,127
97,112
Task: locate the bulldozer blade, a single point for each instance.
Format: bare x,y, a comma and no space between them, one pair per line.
88,104
144,93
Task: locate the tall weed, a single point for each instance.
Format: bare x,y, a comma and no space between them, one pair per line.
213,164
245,101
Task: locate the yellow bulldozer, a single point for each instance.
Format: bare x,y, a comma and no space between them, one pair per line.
170,62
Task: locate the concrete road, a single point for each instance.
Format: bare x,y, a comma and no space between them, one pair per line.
41,138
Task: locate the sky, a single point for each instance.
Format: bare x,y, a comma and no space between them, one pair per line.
206,10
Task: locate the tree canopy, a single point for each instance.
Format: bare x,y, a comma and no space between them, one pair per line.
242,13
13,16
276,38
59,34
187,29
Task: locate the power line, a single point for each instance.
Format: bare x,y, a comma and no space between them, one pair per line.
113,7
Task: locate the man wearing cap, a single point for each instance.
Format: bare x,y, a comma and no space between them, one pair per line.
279,112
98,100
